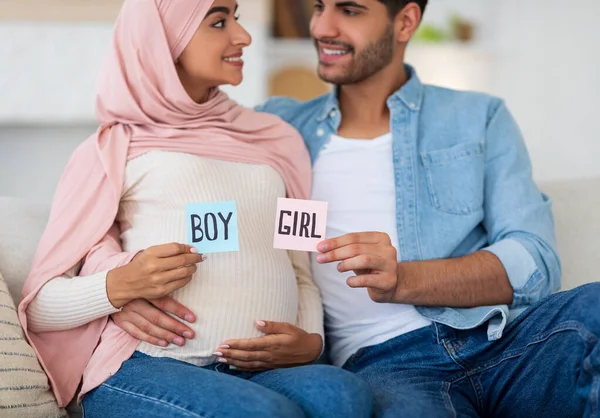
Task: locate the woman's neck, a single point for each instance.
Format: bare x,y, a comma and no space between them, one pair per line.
197,91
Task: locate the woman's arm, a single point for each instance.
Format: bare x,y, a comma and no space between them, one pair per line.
79,296
68,302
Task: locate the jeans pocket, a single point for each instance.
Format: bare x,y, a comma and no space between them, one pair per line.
455,177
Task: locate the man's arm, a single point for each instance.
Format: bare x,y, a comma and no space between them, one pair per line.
519,267
478,279
518,217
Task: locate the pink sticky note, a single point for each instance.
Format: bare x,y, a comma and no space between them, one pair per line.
300,224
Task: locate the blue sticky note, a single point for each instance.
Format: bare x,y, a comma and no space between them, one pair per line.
212,227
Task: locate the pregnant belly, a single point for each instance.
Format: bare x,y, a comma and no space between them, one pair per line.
228,294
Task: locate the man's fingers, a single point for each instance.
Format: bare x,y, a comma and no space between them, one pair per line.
156,331
352,250
138,334
384,250
372,281
143,314
170,305
242,355
166,322
354,238
365,262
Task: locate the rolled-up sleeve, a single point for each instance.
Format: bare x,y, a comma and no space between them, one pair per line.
518,217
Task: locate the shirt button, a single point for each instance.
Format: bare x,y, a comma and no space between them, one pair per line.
332,114
320,132
412,105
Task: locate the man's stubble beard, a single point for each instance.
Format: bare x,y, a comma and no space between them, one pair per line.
372,59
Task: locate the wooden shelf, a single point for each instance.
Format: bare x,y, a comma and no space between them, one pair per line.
60,10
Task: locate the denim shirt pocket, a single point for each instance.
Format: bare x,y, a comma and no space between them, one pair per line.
455,177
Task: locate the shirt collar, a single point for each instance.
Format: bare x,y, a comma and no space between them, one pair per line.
410,94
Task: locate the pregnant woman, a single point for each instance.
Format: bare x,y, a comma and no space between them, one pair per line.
168,137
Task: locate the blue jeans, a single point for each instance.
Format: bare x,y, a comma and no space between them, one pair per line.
547,364
148,387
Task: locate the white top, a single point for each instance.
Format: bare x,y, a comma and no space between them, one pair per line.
356,178
230,291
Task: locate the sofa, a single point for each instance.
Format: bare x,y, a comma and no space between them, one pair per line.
575,204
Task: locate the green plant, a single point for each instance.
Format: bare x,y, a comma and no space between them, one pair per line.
431,34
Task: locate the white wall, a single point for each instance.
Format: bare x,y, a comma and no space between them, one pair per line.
48,70
542,58
32,159
547,66
48,75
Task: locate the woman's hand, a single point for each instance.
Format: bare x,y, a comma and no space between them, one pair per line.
285,345
152,274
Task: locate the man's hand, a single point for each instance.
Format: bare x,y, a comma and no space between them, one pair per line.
148,322
372,258
477,279
285,345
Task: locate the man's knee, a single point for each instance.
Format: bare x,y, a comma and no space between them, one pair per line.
347,389
341,378
585,302
408,402
587,295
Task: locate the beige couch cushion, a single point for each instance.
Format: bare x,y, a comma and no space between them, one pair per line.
577,220
24,387
21,226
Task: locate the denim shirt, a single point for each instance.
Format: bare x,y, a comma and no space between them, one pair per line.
463,183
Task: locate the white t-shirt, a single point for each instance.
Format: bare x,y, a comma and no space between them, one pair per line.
356,178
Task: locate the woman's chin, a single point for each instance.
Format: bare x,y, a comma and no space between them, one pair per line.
236,81
230,81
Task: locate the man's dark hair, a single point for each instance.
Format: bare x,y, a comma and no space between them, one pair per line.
394,6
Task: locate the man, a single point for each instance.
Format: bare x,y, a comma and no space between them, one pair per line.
444,310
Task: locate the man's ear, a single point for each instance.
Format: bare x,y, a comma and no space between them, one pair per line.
407,22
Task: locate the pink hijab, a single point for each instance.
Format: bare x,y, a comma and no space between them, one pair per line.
141,106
